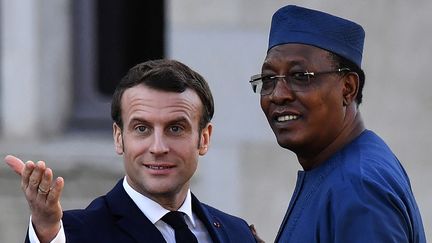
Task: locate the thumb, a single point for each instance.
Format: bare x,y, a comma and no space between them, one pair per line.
15,164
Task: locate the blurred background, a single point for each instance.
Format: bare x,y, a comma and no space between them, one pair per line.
60,61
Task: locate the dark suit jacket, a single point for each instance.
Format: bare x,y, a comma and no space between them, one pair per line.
116,218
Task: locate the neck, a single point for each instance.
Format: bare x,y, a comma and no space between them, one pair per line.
352,129
171,201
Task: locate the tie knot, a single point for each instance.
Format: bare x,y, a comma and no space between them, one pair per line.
175,220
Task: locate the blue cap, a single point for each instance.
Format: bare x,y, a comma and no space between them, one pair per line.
294,24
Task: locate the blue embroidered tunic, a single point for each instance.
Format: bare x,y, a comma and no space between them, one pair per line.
361,194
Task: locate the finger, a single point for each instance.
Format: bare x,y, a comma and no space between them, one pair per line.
255,234
56,191
15,164
44,185
252,228
25,177
36,177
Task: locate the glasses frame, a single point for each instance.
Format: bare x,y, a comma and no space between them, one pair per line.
257,79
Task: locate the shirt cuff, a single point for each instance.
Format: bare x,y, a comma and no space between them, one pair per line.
60,237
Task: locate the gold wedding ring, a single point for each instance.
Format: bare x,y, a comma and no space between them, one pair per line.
42,191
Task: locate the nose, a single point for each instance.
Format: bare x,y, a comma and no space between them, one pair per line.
282,91
158,144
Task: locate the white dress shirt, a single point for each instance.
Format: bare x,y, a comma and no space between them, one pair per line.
154,212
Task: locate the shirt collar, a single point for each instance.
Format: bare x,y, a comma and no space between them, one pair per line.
153,210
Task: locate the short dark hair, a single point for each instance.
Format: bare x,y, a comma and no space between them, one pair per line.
164,75
341,62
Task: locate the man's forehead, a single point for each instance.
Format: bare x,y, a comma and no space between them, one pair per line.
148,91
296,54
145,97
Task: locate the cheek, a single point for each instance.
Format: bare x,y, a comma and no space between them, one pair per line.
191,169
326,98
264,102
134,147
325,109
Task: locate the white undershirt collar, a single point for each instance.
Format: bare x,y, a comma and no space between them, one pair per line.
153,210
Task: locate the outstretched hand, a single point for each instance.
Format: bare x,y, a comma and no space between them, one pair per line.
42,194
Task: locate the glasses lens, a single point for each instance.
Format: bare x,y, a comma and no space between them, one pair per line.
256,87
262,84
267,84
297,81
300,82
256,83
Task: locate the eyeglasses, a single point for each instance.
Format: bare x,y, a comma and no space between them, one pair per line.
264,84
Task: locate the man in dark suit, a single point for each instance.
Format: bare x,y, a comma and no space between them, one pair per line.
161,111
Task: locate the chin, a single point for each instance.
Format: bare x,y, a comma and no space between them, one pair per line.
289,143
286,145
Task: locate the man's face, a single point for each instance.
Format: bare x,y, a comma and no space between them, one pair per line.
159,140
304,122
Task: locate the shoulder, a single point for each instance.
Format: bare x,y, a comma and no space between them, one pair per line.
206,211
370,150
232,227
368,174
96,211
370,163
225,217
363,205
99,212
237,229
370,190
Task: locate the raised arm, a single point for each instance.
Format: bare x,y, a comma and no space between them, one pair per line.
42,194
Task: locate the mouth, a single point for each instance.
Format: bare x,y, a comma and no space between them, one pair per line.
159,167
284,118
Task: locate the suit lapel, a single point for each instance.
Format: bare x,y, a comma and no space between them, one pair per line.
133,222
129,217
212,223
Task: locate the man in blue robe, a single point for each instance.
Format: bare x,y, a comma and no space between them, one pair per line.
352,188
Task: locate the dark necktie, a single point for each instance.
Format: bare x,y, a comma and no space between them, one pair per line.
182,232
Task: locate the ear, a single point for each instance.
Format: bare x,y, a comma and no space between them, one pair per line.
205,139
351,87
118,139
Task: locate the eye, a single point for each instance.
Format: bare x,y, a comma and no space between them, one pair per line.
301,76
175,129
141,129
267,78
267,82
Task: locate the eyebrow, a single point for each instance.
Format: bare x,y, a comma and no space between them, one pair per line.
268,65
179,119
135,120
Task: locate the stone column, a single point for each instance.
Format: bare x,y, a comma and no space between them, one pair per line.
35,67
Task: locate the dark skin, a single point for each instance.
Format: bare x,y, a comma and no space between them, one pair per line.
317,123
